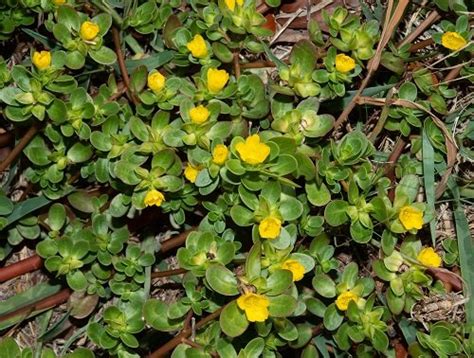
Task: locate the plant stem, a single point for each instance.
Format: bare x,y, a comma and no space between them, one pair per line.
121,63
168,273
176,241
19,147
185,333
21,267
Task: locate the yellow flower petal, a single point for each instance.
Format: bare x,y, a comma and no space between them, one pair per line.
342,301
89,30
191,173
252,151
216,79
197,46
220,154
255,306
59,2
156,81
344,63
411,217
296,268
429,257
199,114
41,60
453,41
269,228
154,197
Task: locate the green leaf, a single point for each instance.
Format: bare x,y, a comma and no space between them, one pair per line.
282,305
6,206
222,280
79,153
279,281
155,314
9,348
318,195
324,285
335,212
408,91
56,216
232,320
31,295
332,318
103,56
252,263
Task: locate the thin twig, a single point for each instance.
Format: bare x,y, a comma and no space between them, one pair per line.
19,147
389,26
430,20
168,273
236,64
121,63
185,333
176,241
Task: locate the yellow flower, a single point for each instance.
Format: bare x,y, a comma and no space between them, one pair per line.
89,30
344,63
231,3
429,257
156,81
296,268
191,173
342,301
199,114
59,2
216,79
453,41
42,59
252,151
154,197
411,217
269,228
255,306
197,46
220,154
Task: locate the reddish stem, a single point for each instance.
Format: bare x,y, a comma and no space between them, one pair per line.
168,273
21,267
176,241
46,303
185,333
19,147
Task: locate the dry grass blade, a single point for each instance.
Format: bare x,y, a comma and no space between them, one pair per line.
390,24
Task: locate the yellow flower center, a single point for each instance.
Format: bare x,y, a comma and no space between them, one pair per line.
296,268
59,2
42,59
269,228
220,154
342,301
154,197
156,81
216,79
255,306
199,114
191,173
344,63
429,257
89,30
197,46
411,217
252,151
453,41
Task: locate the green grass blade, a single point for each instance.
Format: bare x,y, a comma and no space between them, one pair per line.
428,178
